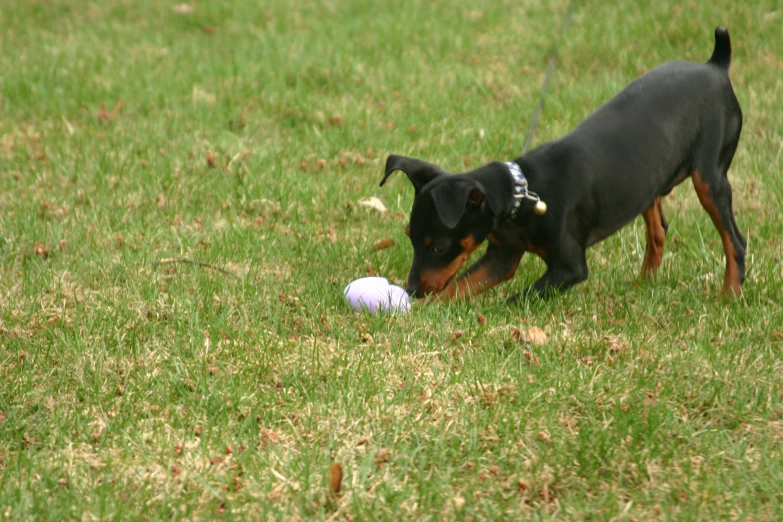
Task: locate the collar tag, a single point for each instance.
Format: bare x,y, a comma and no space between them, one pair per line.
521,191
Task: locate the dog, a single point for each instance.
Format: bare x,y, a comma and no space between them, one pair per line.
680,120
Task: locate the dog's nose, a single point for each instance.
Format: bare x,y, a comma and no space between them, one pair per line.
414,288
412,282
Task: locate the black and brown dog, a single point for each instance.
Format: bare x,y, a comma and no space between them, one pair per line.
678,120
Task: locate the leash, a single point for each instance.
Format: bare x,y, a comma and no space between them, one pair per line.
550,69
521,191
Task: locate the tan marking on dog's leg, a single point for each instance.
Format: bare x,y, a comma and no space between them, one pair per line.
479,279
731,281
656,238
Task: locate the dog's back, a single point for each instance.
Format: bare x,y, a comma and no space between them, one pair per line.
655,128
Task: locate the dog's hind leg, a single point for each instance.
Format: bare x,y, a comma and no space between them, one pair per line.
656,238
714,191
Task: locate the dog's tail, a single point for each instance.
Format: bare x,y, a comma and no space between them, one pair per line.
721,55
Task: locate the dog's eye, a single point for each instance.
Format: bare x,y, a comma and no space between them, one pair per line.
436,250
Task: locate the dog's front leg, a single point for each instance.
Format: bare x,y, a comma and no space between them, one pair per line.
566,267
498,264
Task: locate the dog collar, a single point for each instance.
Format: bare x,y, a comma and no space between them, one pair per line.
521,191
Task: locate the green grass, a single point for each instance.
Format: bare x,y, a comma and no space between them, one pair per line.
132,390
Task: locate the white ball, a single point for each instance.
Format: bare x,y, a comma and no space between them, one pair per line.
375,294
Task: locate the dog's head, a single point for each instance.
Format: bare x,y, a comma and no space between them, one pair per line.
450,218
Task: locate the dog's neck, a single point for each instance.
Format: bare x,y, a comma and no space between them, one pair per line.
521,193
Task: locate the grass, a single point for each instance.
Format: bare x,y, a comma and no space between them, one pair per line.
244,135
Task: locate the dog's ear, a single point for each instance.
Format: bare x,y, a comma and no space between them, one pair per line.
419,172
453,199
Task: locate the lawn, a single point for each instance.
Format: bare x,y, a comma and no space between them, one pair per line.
180,190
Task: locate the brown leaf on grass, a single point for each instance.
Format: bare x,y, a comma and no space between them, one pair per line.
532,358
615,344
210,159
183,9
382,456
117,108
268,437
102,115
383,243
199,95
208,29
532,334
490,397
373,203
335,480
41,250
